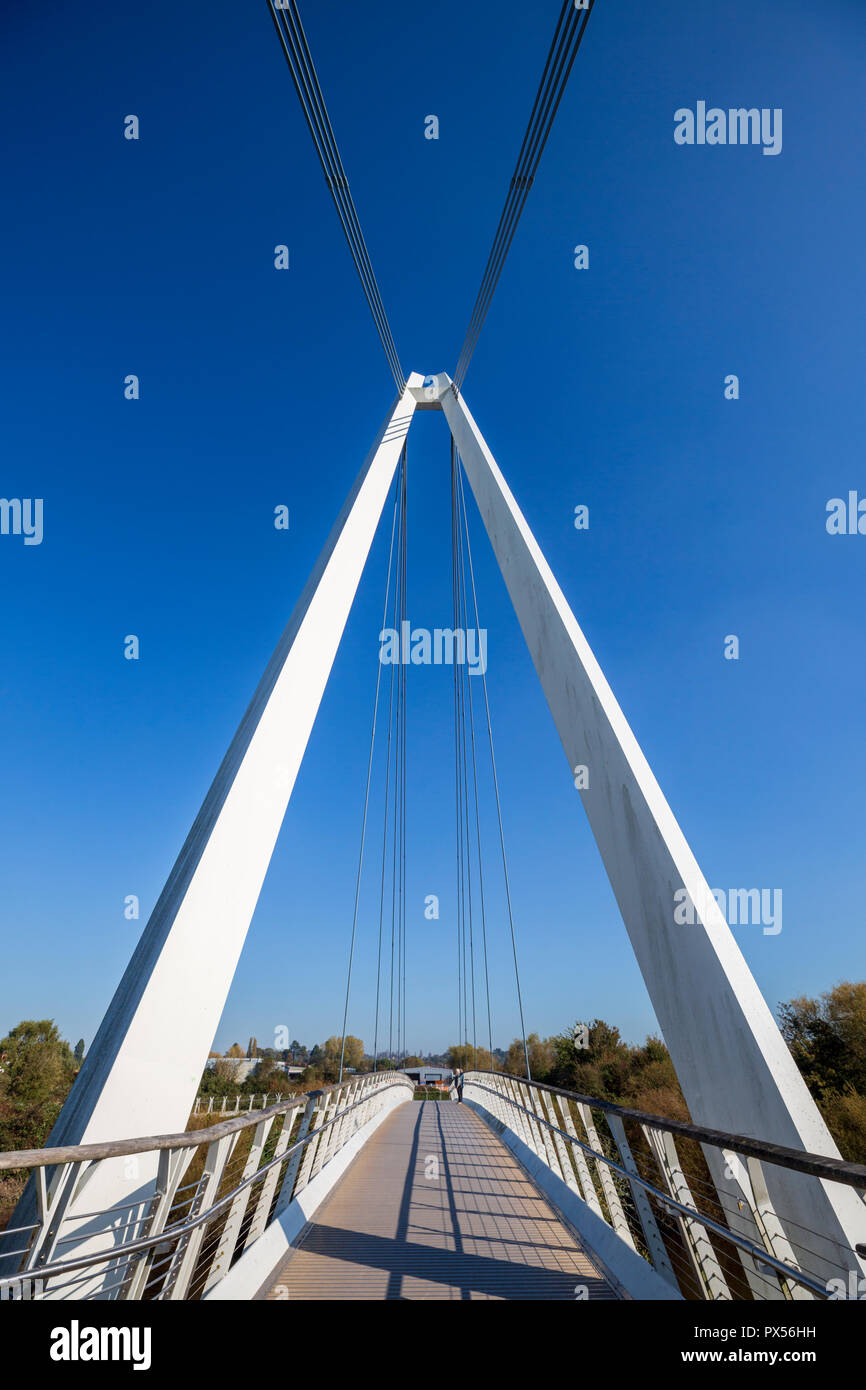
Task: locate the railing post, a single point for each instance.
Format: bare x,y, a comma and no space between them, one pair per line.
173,1163
519,1122
52,1205
652,1235
538,1145
511,1118
323,1143
272,1178
290,1186
494,1103
335,1142
186,1255
587,1186
773,1234
562,1149
748,1174
316,1108
531,1122
537,1101
695,1237
222,1259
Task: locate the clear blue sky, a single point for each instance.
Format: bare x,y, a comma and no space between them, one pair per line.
603,387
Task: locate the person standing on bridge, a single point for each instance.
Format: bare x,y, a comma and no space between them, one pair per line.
458,1082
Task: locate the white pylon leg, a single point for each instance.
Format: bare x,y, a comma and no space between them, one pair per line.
143,1069
732,1062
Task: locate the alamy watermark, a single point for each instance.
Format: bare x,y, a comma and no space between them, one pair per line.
736,126
77,1343
22,516
846,517
24,1289
444,646
739,906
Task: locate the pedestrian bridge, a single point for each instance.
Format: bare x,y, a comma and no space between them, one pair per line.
360,1191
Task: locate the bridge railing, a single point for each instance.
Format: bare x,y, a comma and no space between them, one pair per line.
214,1192
239,1104
696,1203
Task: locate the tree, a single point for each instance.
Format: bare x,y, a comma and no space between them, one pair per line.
221,1079
235,1050
542,1057
37,1068
469,1058
827,1038
352,1054
268,1076
846,1120
324,1063
252,1048
79,1052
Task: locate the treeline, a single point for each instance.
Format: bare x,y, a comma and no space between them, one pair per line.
37,1069
826,1037
321,1065
593,1060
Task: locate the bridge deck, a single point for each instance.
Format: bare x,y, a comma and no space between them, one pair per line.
391,1228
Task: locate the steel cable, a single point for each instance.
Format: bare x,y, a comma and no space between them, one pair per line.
367,794
462,501
290,30
554,79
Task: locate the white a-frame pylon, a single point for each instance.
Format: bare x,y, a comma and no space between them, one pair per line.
142,1071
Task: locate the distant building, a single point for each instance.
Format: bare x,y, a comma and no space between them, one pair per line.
429,1076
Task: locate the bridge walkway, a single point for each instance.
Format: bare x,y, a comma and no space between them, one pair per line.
436,1207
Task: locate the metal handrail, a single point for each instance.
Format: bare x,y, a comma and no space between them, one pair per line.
188,1139
170,1233
815,1165
756,1251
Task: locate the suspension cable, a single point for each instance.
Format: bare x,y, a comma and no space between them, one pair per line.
397,629
462,1018
367,790
290,30
475,787
404,811
560,60
400,844
463,684
462,503
398,834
